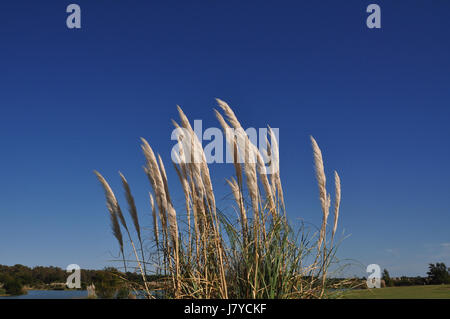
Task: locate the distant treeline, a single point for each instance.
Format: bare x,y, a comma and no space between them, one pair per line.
13,279
437,274
44,277
407,281
360,283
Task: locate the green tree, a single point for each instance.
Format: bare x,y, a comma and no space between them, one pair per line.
387,278
107,283
13,287
438,274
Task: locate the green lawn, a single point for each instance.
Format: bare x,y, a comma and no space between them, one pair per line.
409,292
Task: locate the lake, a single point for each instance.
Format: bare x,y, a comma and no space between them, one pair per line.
51,294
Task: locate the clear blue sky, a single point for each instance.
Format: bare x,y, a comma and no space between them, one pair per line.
377,101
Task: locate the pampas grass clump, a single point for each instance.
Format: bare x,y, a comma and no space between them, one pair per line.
257,255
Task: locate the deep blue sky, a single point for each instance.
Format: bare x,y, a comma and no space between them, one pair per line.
377,101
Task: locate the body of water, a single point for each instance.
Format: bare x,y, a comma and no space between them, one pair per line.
51,294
